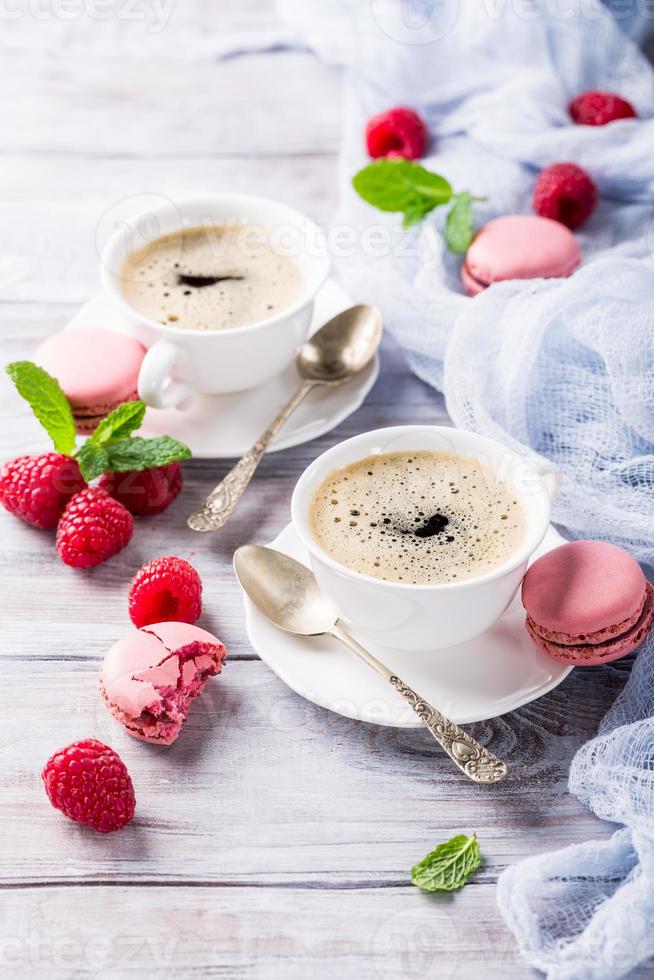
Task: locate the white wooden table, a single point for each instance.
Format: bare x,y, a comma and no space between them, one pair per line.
274,839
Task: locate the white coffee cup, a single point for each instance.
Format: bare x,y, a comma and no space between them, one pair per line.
426,617
179,362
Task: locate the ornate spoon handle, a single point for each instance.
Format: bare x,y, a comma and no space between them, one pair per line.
218,506
473,759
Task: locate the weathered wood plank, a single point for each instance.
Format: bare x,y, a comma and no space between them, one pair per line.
264,787
261,933
161,94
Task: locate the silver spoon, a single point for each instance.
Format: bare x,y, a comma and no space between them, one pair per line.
287,593
343,347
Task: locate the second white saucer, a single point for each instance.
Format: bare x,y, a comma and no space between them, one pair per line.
496,672
226,426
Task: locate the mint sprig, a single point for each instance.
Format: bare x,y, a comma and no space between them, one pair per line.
92,460
399,185
120,423
414,191
449,866
111,447
142,454
48,402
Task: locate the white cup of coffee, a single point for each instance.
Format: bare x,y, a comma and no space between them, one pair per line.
421,533
185,324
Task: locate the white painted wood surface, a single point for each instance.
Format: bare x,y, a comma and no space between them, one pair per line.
274,839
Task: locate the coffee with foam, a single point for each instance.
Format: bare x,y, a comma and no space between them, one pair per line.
417,517
211,278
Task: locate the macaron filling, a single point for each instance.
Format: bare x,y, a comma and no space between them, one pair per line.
607,644
596,636
88,417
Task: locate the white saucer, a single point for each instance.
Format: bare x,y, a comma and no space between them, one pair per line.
486,677
226,426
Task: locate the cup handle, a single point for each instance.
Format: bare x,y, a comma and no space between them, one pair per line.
156,388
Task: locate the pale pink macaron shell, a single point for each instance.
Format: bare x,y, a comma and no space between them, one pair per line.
144,660
97,369
587,602
519,246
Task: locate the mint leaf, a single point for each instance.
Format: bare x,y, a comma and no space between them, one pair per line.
93,460
415,213
120,423
141,454
459,224
399,185
449,866
48,402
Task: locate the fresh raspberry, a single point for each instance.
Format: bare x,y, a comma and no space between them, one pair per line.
599,108
396,133
165,589
37,488
565,193
145,492
93,527
89,783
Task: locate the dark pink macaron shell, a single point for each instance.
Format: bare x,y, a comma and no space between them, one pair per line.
587,603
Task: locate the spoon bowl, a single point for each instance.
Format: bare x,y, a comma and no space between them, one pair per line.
342,347
285,591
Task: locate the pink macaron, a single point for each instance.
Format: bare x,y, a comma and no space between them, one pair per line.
150,677
587,602
519,246
97,369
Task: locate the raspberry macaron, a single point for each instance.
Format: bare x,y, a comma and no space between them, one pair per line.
519,246
150,677
97,369
587,603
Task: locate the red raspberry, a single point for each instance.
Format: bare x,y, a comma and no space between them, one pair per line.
145,492
396,133
599,108
37,488
565,193
89,783
93,527
165,589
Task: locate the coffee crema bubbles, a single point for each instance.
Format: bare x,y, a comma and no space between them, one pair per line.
417,517
211,278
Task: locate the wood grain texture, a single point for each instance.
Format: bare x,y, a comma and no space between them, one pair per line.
275,838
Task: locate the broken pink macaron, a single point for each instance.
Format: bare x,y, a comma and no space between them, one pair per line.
150,677
587,603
